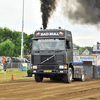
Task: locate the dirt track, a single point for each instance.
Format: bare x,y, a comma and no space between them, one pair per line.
50,90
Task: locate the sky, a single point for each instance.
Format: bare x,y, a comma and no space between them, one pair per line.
11,17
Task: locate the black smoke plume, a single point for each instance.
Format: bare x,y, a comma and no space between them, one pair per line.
77,11
47,7
82,11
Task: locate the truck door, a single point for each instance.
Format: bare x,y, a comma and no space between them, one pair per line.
69,52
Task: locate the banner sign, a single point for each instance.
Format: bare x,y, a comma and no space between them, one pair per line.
95,59
40,34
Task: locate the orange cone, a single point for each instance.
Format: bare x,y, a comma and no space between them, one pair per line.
12,77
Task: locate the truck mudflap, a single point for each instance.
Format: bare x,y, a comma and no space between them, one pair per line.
78,70
88,69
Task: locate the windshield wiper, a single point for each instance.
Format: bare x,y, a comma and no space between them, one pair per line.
47,59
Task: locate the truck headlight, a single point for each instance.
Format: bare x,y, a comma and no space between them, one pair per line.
34,67
61,67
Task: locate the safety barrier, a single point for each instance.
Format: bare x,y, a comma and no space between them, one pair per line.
17,66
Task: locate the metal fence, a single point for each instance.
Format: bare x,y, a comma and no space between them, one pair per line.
17,65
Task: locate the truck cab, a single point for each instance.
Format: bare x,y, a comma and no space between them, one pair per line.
52,55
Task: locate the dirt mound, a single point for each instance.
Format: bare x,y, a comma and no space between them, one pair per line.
88,79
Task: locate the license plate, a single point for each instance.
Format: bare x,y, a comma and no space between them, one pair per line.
48,71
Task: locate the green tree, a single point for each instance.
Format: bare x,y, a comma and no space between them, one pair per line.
6,48
7,34
80,50
1,33
16,39
27,41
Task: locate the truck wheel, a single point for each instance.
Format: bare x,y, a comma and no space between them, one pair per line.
68,78
38,78
82,77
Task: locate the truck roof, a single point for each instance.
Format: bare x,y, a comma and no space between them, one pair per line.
53,30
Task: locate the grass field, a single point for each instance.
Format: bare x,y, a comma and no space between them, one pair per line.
17,75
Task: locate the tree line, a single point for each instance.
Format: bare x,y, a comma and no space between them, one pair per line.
10,42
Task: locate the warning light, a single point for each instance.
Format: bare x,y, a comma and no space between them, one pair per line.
60,33
65,66
31,66
37,34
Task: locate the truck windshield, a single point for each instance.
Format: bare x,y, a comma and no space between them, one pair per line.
48,44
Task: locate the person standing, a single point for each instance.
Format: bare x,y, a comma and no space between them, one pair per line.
3,60
5,65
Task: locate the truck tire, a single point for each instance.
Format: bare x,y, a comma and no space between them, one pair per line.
38,78
68,78
82,77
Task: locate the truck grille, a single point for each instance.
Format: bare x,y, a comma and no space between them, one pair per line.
50,61
48,67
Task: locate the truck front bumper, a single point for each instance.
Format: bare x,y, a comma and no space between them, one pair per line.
48,69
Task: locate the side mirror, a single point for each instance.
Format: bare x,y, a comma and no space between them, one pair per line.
31,45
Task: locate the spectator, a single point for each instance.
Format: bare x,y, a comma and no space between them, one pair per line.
3,60
5,65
